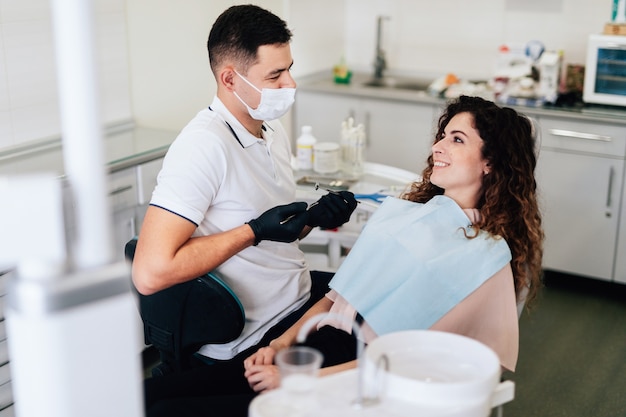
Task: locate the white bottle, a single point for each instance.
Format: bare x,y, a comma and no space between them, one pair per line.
304,149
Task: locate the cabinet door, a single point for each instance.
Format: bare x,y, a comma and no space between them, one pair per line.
399,134
324,112
579,197
620,258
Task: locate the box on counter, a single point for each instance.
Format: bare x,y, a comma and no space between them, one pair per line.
615,29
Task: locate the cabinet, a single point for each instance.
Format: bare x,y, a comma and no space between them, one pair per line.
580,176
6,387
399,133
123,201
130,190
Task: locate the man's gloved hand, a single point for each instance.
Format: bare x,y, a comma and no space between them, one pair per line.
332,210
281,223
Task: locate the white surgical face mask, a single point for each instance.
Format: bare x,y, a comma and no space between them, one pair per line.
275,102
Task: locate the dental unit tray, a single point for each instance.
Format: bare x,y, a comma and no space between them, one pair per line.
339,184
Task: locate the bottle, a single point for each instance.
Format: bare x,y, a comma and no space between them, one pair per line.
619,11
502,72
352,147
304,149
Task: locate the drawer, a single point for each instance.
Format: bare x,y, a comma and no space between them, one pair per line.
4,352
6,395
3,283
5,373
7,412
587,137
123,189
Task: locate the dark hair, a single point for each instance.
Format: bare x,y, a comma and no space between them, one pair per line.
239,31
508,203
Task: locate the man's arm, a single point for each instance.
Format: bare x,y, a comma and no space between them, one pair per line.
167,255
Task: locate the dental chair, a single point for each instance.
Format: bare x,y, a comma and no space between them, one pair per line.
178,320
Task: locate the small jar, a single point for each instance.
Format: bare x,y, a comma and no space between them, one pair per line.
326,157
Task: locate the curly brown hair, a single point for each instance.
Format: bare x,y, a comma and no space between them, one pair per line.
508,203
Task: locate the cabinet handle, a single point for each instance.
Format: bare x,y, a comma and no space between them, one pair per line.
580,135
609,196
121,190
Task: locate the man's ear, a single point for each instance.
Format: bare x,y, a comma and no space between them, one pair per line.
226,78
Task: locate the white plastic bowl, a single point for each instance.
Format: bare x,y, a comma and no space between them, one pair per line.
445,373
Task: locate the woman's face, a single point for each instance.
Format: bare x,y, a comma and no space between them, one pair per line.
458,163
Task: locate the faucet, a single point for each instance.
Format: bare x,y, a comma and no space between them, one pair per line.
380,64
360,401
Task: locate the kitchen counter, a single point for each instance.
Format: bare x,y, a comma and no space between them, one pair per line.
323,83
124,146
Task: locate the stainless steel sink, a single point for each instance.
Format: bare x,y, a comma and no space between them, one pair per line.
399,83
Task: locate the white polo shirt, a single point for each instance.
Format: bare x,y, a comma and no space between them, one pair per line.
219,176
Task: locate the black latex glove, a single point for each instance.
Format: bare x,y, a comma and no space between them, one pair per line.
281,223
332,210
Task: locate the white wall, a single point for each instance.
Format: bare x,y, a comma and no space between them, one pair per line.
152,53
169,65
462,37
29,108
171,78
319,29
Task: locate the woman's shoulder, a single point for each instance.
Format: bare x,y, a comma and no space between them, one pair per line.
473,215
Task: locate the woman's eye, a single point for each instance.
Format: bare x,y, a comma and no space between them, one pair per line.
458,139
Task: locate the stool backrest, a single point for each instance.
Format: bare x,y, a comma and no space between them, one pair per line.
180,319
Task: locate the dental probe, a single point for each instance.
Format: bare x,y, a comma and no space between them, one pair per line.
317,187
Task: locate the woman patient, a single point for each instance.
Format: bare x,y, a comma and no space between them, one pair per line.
458,252
472,230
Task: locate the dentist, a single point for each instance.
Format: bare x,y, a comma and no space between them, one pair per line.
224,202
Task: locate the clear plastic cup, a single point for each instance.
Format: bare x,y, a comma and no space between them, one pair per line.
298,367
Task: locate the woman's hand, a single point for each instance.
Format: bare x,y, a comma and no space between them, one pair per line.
263,356
260,372
262,377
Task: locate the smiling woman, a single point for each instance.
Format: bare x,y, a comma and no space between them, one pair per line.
458,165
452,256
484,157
